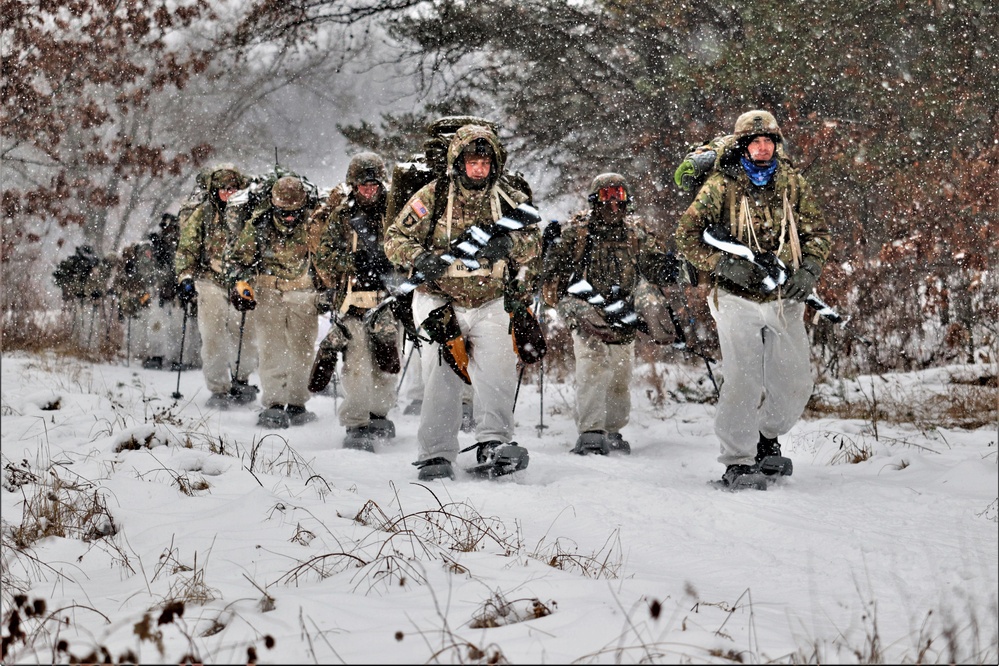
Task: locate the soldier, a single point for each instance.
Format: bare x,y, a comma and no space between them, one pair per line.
351,262
611,251
758,202
271,264
464,309
225,335
165,318
71,277
135,284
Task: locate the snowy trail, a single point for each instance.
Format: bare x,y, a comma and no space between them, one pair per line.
820,561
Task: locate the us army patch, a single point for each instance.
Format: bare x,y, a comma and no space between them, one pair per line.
418,208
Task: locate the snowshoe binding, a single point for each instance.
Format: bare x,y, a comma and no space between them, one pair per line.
221,401
434,468
274,417
494,458
592,441
769,458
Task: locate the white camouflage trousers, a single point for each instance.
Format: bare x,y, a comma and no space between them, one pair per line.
368,390
603,383
492,367
218,323
765,365
287,328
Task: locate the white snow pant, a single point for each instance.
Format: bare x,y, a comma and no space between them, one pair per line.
218,323
368,390
414,380
492,367
287,327
765,365
603,383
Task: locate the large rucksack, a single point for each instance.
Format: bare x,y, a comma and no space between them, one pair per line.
71,273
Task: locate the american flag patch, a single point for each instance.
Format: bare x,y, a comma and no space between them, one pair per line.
418,208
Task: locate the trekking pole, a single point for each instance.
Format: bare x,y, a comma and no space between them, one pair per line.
239,352
541,372
520,379
180,362
409,357
128,343
682,344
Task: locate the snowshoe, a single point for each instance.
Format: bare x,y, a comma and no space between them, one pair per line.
495,458
592,441
434,468
153,363
618,443
359,439
242,393
219,401
274,417
299,415
381,427
769,458
743,477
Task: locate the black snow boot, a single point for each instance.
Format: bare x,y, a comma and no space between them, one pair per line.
769,459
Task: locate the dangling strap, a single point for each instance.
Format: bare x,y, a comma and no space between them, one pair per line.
792,228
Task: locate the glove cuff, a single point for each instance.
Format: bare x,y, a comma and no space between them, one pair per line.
812,266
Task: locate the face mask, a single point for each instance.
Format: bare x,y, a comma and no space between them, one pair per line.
759,175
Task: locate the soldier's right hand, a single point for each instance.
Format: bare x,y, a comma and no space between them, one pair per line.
186,293
430,265
241,297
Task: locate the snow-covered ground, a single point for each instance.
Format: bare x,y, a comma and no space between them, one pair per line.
284,543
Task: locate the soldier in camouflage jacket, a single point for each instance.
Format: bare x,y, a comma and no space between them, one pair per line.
199,266
351,262
271,265
614,252
756,198
475,192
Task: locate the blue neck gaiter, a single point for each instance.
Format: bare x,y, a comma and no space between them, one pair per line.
759,175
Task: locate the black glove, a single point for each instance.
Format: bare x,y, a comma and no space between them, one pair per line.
497,247
662,269
186,293
360,260
430,265
801,283
742,273
242,297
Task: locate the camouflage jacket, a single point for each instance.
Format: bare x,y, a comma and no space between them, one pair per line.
419,228
351,254
605,255
757,216
263,255
204,237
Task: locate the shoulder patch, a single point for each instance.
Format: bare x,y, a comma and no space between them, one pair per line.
419,208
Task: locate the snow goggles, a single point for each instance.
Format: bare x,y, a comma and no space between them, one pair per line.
612,193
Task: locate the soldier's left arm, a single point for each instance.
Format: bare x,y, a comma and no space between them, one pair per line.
525,257
240,257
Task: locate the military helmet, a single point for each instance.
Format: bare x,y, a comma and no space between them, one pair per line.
288,193
609,187
366,167
226,177
755,123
